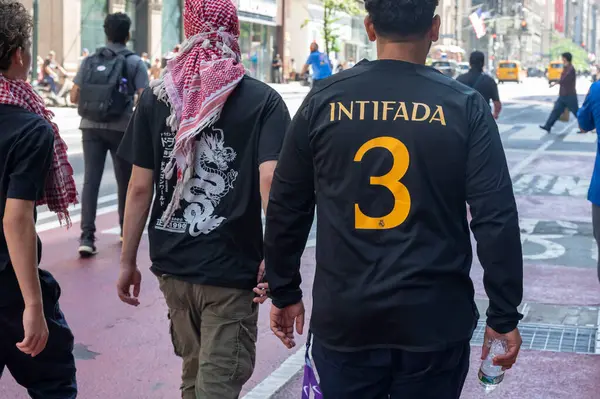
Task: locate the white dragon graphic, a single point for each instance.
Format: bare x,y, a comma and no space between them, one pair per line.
211,184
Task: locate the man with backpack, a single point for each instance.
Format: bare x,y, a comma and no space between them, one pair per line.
483,83
105,87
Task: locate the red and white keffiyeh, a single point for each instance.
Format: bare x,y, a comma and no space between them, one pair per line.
198,81
59,191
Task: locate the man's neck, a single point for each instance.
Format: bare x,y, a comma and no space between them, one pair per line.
10,75
413,52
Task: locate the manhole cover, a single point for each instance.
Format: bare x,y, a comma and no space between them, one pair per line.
552,338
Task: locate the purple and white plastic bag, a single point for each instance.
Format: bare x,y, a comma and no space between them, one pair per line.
310,379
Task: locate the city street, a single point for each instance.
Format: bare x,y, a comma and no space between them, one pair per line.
125,353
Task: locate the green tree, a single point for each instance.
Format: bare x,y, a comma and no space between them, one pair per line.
332,10
561,45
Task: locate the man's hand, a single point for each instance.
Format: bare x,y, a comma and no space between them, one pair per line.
262,290
283,320
513,345
36,331
129,276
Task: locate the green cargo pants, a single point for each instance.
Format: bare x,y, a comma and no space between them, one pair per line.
214,331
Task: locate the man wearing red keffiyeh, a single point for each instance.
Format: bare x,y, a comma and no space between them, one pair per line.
34,171
207,138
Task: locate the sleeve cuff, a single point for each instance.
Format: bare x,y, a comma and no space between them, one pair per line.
502,326
285,299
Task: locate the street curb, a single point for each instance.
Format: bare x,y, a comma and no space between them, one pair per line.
278,378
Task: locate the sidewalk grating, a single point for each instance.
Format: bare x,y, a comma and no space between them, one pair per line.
551,338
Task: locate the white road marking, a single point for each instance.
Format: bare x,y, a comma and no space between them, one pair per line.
598,335
503,127
74,219
565,153
575,137
529,132
278,378
525,163
102,200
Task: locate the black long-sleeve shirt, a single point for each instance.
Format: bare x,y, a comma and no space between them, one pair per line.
568,81
389,152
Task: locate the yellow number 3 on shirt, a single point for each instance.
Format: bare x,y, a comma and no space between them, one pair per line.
391,181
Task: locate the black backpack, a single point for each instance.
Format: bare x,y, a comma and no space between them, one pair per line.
105,92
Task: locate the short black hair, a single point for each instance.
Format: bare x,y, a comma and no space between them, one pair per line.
477,60
568,56
15,30
116,27
401,19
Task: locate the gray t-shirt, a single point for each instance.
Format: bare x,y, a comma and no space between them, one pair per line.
137,73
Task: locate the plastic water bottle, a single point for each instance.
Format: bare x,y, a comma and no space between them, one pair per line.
123,86
491,376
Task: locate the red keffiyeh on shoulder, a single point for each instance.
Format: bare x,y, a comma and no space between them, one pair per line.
60,189
198,81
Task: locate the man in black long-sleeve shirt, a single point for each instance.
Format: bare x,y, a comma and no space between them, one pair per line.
567,96
390,151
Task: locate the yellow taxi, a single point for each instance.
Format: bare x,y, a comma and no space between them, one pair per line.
554,71
509,71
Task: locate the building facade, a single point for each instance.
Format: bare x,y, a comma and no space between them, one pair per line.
303,25
267,28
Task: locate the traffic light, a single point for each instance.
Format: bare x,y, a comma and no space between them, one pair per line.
524,25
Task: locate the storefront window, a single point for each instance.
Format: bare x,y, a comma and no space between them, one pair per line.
171,24
93,13
256,44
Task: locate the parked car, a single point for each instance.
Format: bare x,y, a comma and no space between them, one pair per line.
462,68
533,72
446,67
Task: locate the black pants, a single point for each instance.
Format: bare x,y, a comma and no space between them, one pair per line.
96,143
51,374
563,102
391,373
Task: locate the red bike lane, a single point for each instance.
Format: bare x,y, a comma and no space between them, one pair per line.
124,352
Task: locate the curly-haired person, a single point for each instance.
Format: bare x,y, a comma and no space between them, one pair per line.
388,153
35,341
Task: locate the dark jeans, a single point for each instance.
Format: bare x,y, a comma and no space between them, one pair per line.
563,102
276,75
51,374
49,80
391,373
96,143
596,227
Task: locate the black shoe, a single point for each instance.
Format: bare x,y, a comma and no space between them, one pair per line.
547,129
87,247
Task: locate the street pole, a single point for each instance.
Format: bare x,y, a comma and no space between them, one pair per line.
34,44
456,24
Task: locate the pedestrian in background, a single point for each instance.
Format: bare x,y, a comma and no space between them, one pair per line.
105,87
36,343
589,120
211,160
146,60
156,69
319,63
480,81
379,150
567,97
276,65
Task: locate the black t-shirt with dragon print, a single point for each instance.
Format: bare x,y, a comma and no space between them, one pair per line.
215,238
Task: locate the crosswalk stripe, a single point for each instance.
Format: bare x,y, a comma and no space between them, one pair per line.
574,137
528,132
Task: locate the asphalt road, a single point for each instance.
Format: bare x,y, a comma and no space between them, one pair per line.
124,352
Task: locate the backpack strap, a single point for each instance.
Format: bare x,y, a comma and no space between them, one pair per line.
477,81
